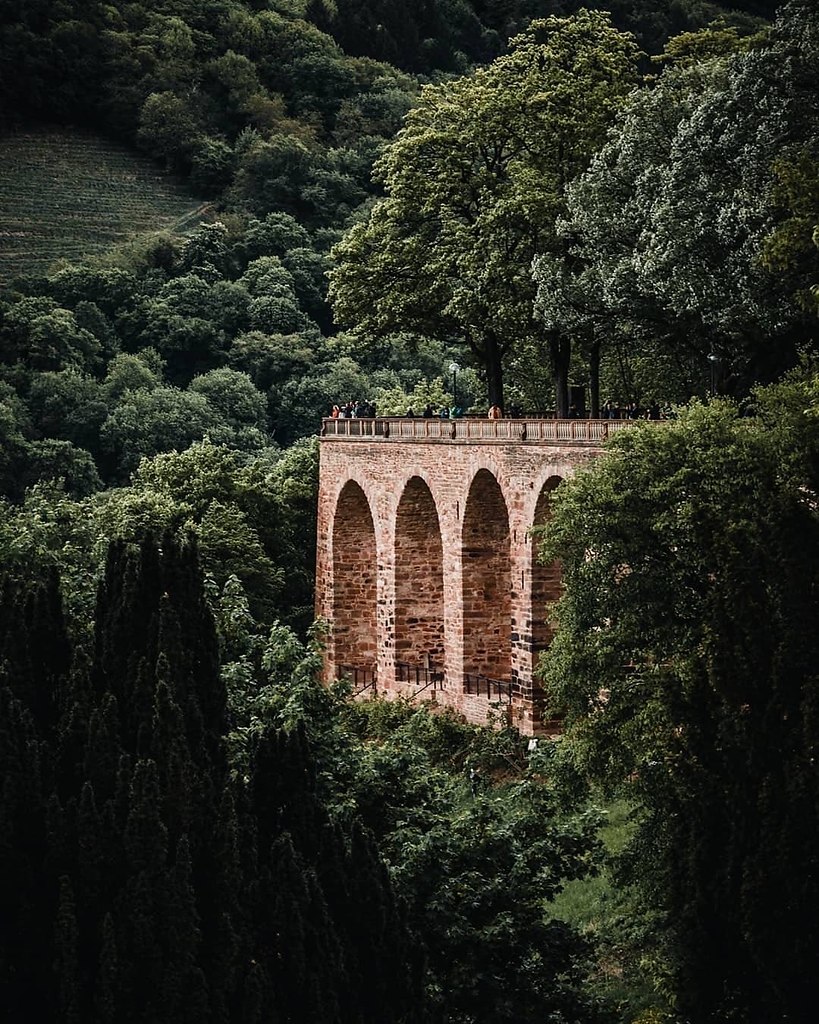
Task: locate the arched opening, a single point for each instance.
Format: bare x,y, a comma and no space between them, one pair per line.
546,579
487,605
546,589
354,587
419,587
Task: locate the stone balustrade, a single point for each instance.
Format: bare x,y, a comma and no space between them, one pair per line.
554,431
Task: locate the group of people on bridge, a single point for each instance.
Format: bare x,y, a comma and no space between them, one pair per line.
357,410
610,411
634,411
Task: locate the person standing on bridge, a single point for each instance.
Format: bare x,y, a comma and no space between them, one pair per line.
494,412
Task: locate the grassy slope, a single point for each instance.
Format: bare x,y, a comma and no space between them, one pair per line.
597,906
67,195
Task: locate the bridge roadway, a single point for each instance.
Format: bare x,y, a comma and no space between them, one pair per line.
426,566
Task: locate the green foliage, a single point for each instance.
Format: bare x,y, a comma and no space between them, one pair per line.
687,669
790,247
689,250
395,401
182,811
46,336
233,396
63,462
52,532
148,422
154,885
474,184
473,871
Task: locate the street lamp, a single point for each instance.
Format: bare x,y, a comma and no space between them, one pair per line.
713,359
453,369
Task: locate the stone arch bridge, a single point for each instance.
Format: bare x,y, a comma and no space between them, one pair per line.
426,568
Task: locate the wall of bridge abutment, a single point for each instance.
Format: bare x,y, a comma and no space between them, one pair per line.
425,566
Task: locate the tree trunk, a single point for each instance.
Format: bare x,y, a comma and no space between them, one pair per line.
560,349
494,369
594,380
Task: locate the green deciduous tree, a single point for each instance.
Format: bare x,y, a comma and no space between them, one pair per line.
46,337
689,235
687,669
61,461
68,405
475,181
148,422
233,396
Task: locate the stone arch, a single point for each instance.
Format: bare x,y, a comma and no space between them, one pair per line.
546,579
547,586
355,577
419,579
486,587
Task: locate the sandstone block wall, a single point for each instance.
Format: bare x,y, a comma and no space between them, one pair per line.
425,559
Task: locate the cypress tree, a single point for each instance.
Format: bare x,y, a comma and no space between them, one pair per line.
139,883
170,753
283,918
221,904
35,653
102,748
184,991
72,742
66,965
146,837
106,982
90,862
257,997
139,948
27,894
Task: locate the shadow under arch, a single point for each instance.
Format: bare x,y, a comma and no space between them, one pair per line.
354,632
487,598
547,586
419,579
547,580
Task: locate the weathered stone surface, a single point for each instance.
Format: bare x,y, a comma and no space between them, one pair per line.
425,558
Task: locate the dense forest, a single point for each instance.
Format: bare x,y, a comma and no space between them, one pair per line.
621,197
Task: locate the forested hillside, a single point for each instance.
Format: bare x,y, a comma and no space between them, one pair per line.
623,198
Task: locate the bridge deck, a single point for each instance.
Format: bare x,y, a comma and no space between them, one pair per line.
578,431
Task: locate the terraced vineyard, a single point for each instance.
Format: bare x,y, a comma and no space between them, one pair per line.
68,194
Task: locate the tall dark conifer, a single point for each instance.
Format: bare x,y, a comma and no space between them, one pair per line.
66,961
139,882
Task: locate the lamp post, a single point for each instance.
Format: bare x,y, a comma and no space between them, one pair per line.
453,369
713,359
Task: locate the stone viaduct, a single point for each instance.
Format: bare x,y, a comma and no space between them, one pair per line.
426,567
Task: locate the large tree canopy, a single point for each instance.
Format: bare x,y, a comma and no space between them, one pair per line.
690,232
474,183
686,660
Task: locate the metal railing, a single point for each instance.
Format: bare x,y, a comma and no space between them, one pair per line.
423,677
483,686
361,678
582,431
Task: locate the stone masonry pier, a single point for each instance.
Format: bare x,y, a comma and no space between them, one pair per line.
426,568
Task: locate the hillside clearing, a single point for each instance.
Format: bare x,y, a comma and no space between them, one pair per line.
68,194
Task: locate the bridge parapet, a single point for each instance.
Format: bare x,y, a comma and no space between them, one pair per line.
553,431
